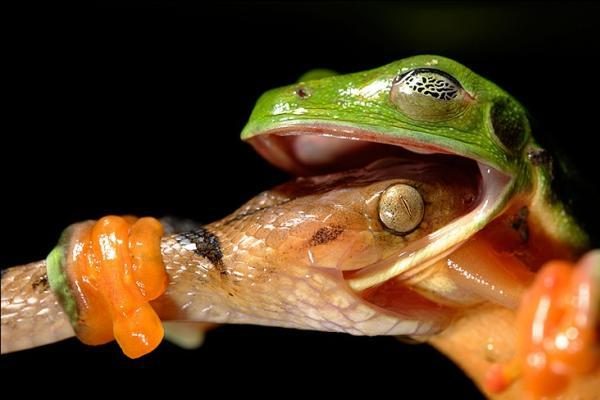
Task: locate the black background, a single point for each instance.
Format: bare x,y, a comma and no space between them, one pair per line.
149,103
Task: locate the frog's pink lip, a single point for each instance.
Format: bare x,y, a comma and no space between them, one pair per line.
289,147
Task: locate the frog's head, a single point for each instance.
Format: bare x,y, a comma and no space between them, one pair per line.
425,105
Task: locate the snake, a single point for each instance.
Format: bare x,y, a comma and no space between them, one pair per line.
282,259
382,234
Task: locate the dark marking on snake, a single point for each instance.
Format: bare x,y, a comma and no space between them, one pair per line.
41,281
173,225
326,234
207,245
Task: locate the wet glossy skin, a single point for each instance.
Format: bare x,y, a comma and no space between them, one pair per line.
430,104
321,254
305,127
481,122
279,260
284,254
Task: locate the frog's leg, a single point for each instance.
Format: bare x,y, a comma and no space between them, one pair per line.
557,327
493,344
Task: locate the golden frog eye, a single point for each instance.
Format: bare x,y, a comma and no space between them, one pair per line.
401,208
428,94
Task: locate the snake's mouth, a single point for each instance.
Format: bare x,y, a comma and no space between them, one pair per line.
308,150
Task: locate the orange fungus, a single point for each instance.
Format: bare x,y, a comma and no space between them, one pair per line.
556,330
116,269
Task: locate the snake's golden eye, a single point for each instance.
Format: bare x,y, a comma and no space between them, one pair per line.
427,94
401,208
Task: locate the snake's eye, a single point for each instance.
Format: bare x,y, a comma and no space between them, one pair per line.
401,208
427,94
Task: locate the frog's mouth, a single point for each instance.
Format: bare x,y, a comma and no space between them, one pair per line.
317,149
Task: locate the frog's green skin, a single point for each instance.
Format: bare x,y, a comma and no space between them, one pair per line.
360,105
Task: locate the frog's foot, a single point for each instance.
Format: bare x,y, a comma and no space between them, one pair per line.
557,325
105,274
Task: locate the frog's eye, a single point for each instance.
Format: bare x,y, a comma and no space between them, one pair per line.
427,94
401,208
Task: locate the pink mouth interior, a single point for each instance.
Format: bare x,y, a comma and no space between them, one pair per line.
314,151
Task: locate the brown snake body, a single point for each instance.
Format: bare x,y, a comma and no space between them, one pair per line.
281,259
